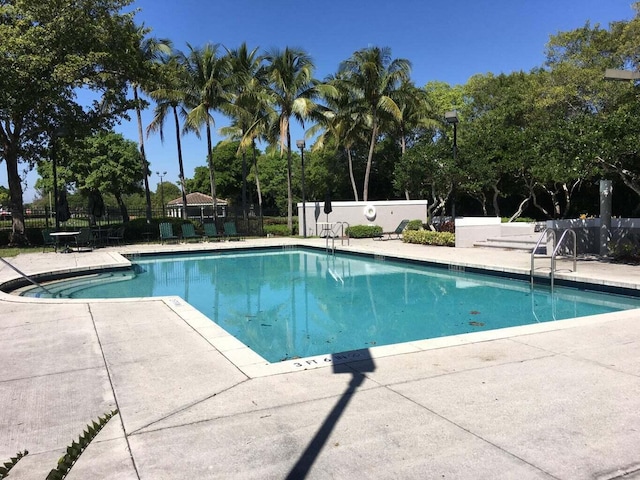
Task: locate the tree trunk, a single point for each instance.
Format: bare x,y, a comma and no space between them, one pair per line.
123,208
212,175
143,157
351,176
289,185
255,166
180,164
372,146
496,195
16,205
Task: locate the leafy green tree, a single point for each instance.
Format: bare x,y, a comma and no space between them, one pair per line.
105,163
50,50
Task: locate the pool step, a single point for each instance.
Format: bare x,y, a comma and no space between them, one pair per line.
525,242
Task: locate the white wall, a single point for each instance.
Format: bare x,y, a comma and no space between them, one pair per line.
388,214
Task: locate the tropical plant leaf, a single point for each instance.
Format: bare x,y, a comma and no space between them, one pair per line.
77,447
7,466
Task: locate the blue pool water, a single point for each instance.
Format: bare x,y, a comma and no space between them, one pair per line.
297,303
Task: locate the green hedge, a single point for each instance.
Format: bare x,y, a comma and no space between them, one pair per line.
414,225
277,230
427,237
364,231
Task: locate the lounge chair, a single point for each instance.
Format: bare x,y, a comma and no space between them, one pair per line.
189,232
211,232
397,232
48,240
166,232
84,240
230,231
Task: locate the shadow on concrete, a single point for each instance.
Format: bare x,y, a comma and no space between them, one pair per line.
341,362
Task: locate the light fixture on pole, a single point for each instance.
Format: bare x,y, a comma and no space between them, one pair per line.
161,190
301,145
451,117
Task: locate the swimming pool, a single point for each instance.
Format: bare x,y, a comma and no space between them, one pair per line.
294,303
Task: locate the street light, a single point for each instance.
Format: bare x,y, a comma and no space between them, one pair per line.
451,117
301,145
161,190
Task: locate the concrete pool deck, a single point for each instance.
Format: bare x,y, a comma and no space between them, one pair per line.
551,401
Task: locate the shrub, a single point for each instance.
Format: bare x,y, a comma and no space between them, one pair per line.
427,237
626,251
414,225
277,230
364,231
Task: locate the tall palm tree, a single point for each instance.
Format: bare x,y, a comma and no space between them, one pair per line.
342,124
293,90
150,50
169,98
248,109
206,91
416,114
372,75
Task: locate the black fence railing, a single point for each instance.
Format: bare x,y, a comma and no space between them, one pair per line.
246,224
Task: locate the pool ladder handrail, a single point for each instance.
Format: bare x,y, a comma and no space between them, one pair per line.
28,278
556,249
334,233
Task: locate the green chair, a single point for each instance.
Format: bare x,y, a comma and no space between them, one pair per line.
166,232
189,232
48,240
211,232
397,232
84,240
230,231
115,236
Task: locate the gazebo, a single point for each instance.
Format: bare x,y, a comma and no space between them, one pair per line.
198,206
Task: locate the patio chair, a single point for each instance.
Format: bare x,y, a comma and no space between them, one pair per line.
48,240
189,232
116,236
166,232
211,232
230,231
397,232
84,240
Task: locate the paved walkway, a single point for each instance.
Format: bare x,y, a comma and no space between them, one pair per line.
553,402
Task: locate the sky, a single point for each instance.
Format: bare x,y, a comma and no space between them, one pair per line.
447,40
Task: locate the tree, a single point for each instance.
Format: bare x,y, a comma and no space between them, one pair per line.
293,90
106,163
206,91
50,50
169,98
373,76
249,110
150,51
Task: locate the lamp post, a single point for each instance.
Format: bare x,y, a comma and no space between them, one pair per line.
301,145
451,117
161,190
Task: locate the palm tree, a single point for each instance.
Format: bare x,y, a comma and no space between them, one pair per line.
150,51
169,97
372,76
342,124
248,109
293,89
206,91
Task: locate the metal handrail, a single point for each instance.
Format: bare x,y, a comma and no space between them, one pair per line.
544,235
26,277
571,233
